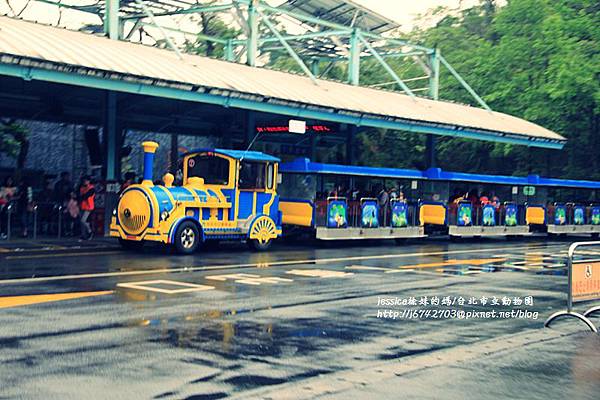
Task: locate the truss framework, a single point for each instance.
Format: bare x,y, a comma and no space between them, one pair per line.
260,23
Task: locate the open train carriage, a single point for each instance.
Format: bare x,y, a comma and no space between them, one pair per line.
338,202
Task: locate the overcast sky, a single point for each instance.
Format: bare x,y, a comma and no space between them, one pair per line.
402,11
405,11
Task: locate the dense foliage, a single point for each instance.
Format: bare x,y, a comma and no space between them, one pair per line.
536,59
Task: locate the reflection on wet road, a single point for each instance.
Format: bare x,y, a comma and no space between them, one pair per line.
226,322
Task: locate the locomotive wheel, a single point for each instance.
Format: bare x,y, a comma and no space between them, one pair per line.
187,238
259,245
262,233
131,244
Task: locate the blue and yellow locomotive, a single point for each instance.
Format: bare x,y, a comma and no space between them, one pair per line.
225,195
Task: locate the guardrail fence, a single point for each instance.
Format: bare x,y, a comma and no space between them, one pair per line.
584,285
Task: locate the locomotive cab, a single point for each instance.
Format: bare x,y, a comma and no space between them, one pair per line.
224,195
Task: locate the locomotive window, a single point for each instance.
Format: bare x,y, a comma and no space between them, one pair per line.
252,175
270,177
214,170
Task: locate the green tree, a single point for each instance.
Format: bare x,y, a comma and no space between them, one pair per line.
14,141
212,25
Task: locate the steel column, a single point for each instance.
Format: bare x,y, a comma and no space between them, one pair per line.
112,27
354,59
350,135
174,153
110,135
252,46
229,55
434,90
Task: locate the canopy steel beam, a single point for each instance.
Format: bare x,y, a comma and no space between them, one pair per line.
464,83
285,44
191,10
386,66
160,28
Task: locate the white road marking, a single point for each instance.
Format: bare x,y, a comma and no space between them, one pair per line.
271,280
147,285
255,265
319,273
249,279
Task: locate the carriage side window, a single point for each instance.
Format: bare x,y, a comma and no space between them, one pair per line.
214,170
252,175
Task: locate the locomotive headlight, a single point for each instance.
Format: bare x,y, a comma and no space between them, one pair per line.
164,215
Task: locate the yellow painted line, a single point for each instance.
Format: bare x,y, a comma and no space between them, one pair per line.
16,301
252,265
479,261
61,255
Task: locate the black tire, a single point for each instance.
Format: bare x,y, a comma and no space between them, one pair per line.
258,246
187,238
131,244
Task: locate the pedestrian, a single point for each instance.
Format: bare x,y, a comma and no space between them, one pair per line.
8,192
87,195
63,188
383,199
24,206
72,213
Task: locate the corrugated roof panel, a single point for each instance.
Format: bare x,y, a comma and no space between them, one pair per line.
39,42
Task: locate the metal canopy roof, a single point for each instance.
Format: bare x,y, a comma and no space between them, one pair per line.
39,52
342,12
305,166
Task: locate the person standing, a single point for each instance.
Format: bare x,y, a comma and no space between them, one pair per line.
8,192
87,194
63,188
383,198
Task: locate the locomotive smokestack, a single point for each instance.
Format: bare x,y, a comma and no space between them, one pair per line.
149,150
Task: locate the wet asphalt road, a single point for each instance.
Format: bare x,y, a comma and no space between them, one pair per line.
300,321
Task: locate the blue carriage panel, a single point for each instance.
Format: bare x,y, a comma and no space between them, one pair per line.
369,212
579,215
489,215
464,214
337,211
246,204
399,214
595,215
511,216
560,215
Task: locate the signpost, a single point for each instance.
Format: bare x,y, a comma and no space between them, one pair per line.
584,285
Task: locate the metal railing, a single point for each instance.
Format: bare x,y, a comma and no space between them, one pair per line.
47,218
589,264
